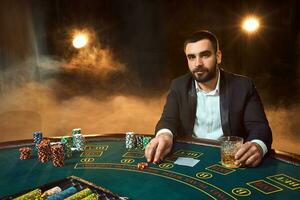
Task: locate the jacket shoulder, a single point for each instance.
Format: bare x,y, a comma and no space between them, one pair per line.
237,78
182,81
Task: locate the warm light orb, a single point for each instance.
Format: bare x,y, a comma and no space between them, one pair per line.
80,40
251,24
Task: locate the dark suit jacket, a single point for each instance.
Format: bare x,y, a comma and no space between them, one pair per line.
242,112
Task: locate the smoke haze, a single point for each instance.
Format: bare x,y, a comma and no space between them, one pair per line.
35,107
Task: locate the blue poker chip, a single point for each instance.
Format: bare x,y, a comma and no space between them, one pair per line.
37,137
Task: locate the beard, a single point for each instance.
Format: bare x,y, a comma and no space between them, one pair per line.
203,75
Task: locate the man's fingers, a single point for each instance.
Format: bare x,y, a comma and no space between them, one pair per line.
158,148
162,151
253,160
148,153
159,152
251,155
150,150
255,163
244,158
166,152
242,150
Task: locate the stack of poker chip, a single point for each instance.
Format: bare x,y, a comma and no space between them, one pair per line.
67,145
51,191
130,140
37,138
75,131
24,153
44,152
93,196
79,195
35,194
139,141
79,142
57,155
146,140
63,194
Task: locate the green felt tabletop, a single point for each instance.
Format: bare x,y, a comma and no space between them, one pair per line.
109,164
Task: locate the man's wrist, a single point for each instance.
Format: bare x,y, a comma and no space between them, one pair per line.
262,145
164,131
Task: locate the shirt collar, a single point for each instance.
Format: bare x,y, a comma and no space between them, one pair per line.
213,92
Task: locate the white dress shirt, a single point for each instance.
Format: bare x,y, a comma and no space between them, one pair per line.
208,118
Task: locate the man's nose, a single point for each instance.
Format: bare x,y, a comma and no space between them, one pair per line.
199,61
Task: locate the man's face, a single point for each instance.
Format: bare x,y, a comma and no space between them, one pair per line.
202,60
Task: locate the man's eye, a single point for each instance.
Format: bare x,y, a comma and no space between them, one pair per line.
205,56
191,57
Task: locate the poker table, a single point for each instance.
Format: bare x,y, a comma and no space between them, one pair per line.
107,163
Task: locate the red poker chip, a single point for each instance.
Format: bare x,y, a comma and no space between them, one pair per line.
142,165
25,153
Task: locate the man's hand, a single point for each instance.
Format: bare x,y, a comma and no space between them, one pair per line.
250,155
159,147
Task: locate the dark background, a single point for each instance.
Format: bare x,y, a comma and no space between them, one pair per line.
147,36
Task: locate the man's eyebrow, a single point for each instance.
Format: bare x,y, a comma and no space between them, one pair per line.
206,52
190,54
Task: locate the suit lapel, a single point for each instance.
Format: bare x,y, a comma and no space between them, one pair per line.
224,103
192,98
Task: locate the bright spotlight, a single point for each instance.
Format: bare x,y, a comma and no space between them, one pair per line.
250,24
80,40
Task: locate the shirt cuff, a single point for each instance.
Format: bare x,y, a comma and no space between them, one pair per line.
262,145
164,131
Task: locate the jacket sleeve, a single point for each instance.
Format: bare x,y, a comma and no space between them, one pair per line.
255,121
170,116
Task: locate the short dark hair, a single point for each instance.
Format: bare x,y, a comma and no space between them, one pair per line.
200,35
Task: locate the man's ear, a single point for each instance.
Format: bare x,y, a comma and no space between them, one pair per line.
219,56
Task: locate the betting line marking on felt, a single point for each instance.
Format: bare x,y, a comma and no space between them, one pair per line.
211,168
276,188
285,181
